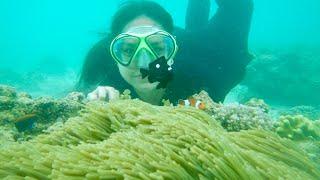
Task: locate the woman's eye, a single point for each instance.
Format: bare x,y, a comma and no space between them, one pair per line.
128,51
159,49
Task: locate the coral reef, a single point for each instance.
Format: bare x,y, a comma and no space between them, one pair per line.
204,97
7,93
126,94
304,132
76,96
310,112
236,117
298,128
21,110
259,103
290,77
132,139
7,134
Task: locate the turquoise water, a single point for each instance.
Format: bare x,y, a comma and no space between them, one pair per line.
43,42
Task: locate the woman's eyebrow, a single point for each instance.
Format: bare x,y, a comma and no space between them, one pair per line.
133,41
157,42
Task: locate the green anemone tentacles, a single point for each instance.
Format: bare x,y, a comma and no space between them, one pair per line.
132,139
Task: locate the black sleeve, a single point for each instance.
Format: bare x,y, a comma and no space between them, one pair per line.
231,24
226,37
197,15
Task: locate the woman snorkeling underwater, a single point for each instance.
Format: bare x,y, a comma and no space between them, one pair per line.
155,60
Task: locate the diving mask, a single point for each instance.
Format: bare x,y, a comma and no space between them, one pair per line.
144,44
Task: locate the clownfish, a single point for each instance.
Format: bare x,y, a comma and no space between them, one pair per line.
192,102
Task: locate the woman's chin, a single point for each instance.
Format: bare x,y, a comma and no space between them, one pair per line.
139,83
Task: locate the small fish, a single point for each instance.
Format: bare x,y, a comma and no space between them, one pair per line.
25,122
191,101
158,71
25,118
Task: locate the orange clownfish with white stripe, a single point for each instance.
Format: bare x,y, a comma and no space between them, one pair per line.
191,101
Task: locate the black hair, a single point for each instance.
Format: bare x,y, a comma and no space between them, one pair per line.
130,10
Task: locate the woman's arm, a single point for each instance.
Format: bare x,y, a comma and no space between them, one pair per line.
226,39
231,24
197,15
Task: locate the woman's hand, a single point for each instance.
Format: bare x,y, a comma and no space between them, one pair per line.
106,93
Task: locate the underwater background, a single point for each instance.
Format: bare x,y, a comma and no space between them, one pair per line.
43,44
267,128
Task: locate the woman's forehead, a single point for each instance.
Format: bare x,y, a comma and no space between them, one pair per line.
141,21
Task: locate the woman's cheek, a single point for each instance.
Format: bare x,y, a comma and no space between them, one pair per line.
132,76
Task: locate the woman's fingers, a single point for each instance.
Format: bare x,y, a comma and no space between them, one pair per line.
106,93
112,93
92,96
102,93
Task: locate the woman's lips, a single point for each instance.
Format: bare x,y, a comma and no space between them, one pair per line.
138,75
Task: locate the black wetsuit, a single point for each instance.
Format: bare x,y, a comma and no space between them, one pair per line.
212,56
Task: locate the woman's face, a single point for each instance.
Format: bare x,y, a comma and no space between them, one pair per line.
131,73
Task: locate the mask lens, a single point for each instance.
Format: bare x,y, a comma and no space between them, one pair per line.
124,48
161,45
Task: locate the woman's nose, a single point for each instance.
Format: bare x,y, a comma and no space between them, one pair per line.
143,59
